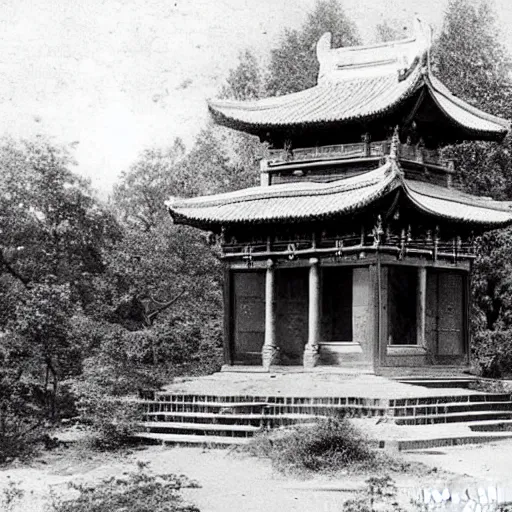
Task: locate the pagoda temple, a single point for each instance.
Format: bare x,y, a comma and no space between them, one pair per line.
357,247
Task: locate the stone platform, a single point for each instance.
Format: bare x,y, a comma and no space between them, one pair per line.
322,382
229,408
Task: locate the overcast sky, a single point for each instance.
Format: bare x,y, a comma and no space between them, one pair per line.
116,76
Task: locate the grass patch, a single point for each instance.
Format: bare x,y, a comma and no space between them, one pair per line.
329,445
139,491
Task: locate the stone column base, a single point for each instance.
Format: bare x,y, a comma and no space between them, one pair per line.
269,356
311,355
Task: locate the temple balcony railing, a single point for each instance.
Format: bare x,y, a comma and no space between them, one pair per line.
402,245
361,150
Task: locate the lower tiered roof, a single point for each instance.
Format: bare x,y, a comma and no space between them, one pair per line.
310,201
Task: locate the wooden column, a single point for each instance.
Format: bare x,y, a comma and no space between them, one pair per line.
270,352
312,347
421,302
228,316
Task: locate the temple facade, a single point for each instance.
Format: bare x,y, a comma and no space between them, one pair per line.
357,247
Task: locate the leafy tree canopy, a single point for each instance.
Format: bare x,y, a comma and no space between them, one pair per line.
293,64
470,58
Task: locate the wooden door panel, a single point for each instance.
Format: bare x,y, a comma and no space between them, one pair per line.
451,314
445,317
292,314
249,316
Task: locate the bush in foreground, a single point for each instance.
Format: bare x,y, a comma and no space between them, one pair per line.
134,492
492,351
329,445
380,494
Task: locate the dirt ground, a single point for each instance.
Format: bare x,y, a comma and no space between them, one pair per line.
231,481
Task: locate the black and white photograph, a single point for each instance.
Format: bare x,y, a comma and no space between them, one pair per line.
255,255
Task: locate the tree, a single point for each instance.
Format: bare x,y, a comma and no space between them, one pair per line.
55,236
141,191
470,58
165,279
293,64
245,82
43,321
51,223
389,30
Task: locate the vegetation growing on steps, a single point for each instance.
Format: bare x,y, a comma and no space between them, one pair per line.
326,446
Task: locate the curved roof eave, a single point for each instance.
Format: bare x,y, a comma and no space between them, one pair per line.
295,202
464,115
488,214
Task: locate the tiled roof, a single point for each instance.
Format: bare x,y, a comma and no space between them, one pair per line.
287,202
308,201
458,206
359,83
463,113
346,100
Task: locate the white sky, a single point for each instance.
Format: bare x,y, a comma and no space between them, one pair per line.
116,76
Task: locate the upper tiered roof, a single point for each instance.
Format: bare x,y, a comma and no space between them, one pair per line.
363,84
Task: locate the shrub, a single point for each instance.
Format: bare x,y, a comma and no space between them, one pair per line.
11,496
112,420
21,418
381,494
134,492
328,445
492,351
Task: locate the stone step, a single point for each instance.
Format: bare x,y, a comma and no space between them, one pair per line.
199,426
189,439
444,371
248,401
492,426
203,403
439,382
269,409
164,396
438,442
439,400
228,419
170,427
240,401
204,407
452,417
427,410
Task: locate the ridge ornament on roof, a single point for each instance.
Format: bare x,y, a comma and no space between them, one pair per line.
364,84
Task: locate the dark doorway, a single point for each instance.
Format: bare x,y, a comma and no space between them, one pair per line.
402,297
337,304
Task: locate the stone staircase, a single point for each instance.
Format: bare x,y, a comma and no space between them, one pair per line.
228,420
